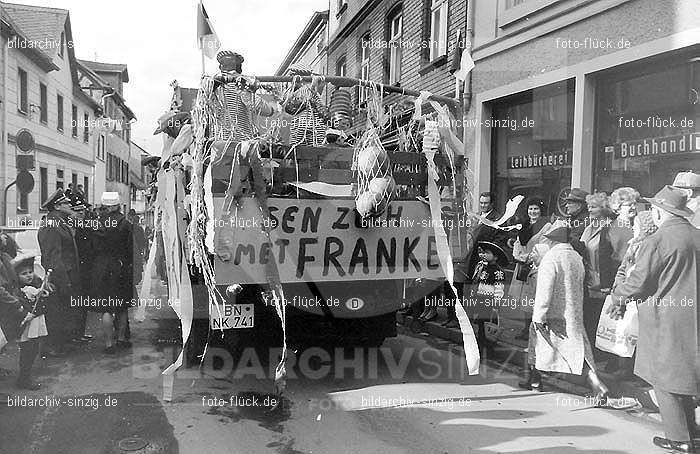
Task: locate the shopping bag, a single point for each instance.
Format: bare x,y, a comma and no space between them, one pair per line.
618,336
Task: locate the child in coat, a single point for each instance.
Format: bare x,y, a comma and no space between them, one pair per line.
487,288
33,326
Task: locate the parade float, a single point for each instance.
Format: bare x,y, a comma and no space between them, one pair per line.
276,215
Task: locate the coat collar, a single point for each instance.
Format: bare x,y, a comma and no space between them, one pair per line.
675,220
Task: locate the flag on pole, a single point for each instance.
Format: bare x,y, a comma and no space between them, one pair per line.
466,64
208,40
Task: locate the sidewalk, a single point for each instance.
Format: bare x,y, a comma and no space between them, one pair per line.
511,354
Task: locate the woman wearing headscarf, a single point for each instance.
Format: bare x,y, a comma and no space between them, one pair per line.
522,287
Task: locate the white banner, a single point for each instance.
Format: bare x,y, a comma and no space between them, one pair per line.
325,240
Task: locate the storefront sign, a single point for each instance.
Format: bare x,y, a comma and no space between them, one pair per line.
325,240
662,146
537,160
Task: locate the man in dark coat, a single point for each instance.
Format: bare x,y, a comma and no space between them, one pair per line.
59,253
85,229
664,284
578,218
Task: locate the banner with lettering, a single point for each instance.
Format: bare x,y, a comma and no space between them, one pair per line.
325,240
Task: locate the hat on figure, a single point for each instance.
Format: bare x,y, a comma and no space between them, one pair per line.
230,61
671,200
577,195
110,199
23,261
687,180
77,203
498,252
559,234
57,198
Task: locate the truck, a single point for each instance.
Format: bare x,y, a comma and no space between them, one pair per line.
344,276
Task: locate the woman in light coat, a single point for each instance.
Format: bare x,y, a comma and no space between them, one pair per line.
561,344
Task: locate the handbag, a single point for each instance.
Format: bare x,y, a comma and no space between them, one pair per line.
524,269
618,336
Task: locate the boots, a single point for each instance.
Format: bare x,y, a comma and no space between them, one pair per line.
27,352
533,380
598,387
430,313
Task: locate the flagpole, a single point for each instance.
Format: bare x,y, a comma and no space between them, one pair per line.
201,44
201,52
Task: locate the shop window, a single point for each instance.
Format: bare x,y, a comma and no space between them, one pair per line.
532,146
438,29
395,47
647,126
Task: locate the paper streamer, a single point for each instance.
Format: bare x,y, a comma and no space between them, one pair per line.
471,349
185,310
209,204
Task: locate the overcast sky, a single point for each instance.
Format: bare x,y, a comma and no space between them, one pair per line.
157,39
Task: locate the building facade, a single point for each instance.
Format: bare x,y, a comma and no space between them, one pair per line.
104,82
409,43
310,48
43,105
595,94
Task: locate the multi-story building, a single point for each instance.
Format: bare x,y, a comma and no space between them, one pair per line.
592,94
409,43
138,179
45,115
310,48
105,83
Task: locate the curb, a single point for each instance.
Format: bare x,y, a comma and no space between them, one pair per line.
516,359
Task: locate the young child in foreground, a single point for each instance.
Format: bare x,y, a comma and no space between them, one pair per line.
33,326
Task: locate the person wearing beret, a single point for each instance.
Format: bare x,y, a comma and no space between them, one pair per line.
59,253
664,285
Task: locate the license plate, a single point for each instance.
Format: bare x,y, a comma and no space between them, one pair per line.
232,316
